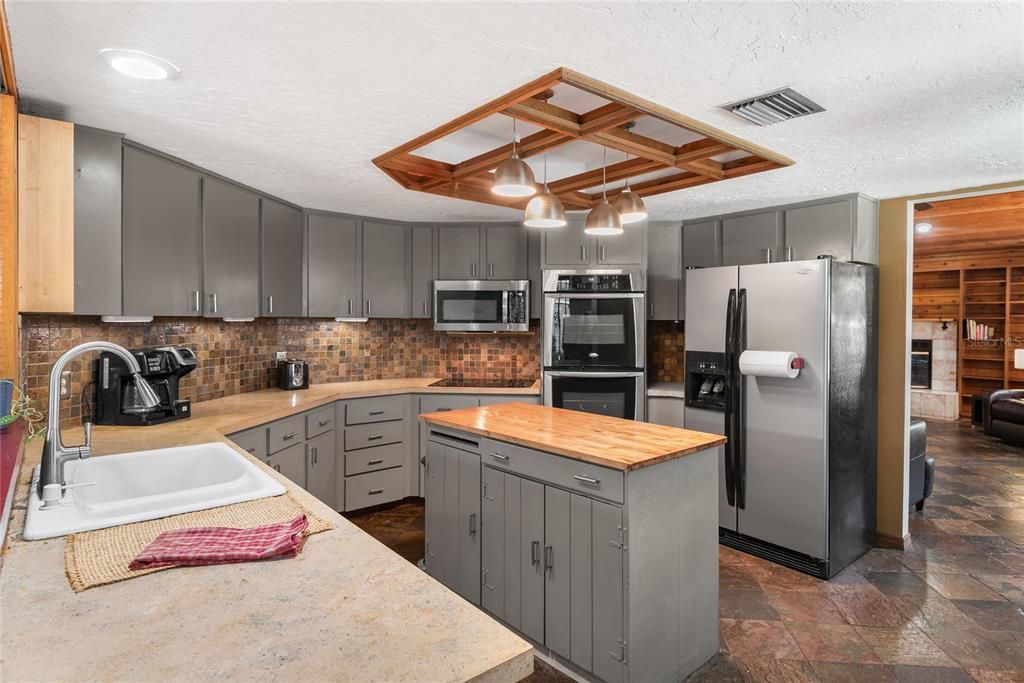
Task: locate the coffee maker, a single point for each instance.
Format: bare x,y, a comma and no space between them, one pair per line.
163,367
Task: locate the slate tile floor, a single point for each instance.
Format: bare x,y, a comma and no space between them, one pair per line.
949,609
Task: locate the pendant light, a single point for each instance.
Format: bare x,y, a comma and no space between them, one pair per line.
545,210
603,219
629,205
512,177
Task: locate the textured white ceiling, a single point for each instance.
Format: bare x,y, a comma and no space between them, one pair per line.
295,98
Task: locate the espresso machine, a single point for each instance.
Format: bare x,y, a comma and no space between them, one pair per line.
163,367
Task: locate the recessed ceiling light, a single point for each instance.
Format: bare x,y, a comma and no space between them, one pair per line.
923,228
138,64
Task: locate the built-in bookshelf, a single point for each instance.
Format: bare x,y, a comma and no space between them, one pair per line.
1014,326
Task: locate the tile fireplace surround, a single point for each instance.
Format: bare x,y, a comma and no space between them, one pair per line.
941,402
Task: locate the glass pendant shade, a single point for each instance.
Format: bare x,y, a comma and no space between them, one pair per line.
513,178
630,207
545,211
603,220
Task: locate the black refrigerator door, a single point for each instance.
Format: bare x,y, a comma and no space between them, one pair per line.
730,398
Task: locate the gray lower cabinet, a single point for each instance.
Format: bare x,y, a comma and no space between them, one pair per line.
231,253
458,252
97,200
422,271
752,238
453,539
665,410
160,236
505,252
291,462
253,442
385,270
282,260
334,266
664,271
321,468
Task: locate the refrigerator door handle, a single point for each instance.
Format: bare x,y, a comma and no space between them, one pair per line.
730,432
740,412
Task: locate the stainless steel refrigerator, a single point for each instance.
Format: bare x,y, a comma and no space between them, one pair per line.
797,479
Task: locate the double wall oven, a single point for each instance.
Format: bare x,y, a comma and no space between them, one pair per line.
593,336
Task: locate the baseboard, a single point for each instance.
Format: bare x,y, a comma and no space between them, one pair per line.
892,542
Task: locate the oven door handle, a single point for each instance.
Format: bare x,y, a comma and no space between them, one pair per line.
584,373
594,295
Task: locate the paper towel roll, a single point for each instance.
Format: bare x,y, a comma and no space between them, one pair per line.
769,364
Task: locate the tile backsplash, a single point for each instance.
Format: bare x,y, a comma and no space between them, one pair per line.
238,357
665,346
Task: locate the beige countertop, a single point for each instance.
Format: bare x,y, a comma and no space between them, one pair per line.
608,441
346,609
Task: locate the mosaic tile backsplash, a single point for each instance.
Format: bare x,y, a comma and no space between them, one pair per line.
236,358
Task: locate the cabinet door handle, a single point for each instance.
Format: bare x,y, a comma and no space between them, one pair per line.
549,558
350,306
490,270
534,552
195,301
472,523
375,461
312,455
214,297
374,437
789,253
499,456
277,468
586,480
369,308
768,255
251,450
289,435
270,304
583,253
323,423
652,310
424,308
602,252
374,492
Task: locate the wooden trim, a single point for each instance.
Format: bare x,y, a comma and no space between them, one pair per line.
46,215
9,366
615,172
892,542
546,115
7,55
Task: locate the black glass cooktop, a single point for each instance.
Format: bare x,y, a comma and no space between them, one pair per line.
484,383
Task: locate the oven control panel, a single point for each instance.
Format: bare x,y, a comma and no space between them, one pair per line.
595,283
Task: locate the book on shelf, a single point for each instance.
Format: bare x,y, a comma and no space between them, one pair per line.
975,331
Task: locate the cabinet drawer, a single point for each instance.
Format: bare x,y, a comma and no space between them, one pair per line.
285,433
380,409
374,488
575,475
319,421
377,434
376,458
253,442
434,404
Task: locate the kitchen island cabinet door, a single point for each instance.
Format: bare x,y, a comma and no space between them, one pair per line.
609,597
557,571
506,249
231,253
385,270
531,562
422,271
469,516
321,468
161,239
282,256
334,267
458,253
497,523
439,555
754,238
291,462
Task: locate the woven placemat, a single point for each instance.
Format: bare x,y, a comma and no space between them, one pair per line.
97,558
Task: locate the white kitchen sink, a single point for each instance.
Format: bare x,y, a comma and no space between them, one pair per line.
110,490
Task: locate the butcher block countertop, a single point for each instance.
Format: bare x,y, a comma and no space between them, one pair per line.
346,609
609,441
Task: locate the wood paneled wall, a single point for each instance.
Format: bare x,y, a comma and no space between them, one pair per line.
8,237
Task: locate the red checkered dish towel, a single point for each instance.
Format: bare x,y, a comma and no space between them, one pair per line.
222,545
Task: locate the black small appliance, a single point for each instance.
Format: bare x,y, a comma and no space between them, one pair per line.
292,374
163,367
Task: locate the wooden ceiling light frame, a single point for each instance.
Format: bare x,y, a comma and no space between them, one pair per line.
607,125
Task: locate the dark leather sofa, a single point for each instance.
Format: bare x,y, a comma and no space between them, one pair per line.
1004,415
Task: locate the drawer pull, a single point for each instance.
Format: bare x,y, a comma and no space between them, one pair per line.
534,552
375,461
374,437
251,450
586,480
374,492
289,435
443,410
277,468
323,423
499,456
376,412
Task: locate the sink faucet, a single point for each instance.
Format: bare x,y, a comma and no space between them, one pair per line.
139,398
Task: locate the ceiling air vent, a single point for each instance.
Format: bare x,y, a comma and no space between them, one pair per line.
773,107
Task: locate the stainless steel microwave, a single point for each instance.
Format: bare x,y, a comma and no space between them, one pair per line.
482,305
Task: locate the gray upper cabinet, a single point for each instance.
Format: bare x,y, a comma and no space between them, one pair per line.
458,252
752,238
231,254
627,249
567,246
422,271
845,228
334,266
97,199
505,249
385,270
664,270
534,272
160,236
702,248
282,259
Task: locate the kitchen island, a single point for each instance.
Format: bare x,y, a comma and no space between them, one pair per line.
347,608
594,537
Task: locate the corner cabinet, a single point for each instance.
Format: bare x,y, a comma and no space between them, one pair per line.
385,270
